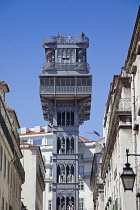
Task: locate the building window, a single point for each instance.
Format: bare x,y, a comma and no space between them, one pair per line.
50,55
81,203
51,159
11,178
49,205
50,141
8,171
81,185
1,154
81,157
50,187
4,165
81,55
14,182
65,117
2,203
66,55
6,206
81,170
51,172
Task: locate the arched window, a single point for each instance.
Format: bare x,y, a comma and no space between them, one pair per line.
68,203
63,117
67,145
72,144
59,118
58,174
67,174
63,146
72,170
68,118
62,203
58,204
50,55
72,201
58,145
72,117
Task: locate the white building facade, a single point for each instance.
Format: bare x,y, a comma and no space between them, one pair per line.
121,132
43,136
118,138
32,189
12,174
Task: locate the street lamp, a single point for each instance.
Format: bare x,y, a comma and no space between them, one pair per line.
128,175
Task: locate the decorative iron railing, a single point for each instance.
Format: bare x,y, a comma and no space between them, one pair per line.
65,89
79,66
124,104
65,40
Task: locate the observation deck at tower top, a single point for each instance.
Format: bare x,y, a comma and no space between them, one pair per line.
59,39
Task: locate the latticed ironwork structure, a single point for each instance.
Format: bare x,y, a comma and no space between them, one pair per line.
65,92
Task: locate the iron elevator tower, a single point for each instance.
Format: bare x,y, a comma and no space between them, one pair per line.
65,92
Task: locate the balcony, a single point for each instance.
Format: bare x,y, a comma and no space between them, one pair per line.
78,66
124,106
74,90
78,40
86,160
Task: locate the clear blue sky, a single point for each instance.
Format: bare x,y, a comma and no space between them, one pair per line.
109,26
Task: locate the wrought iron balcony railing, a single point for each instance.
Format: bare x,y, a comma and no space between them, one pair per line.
78,66
65,40
65,90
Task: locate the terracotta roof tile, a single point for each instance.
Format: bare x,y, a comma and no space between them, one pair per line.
82,139
31,145
9,109
33,132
